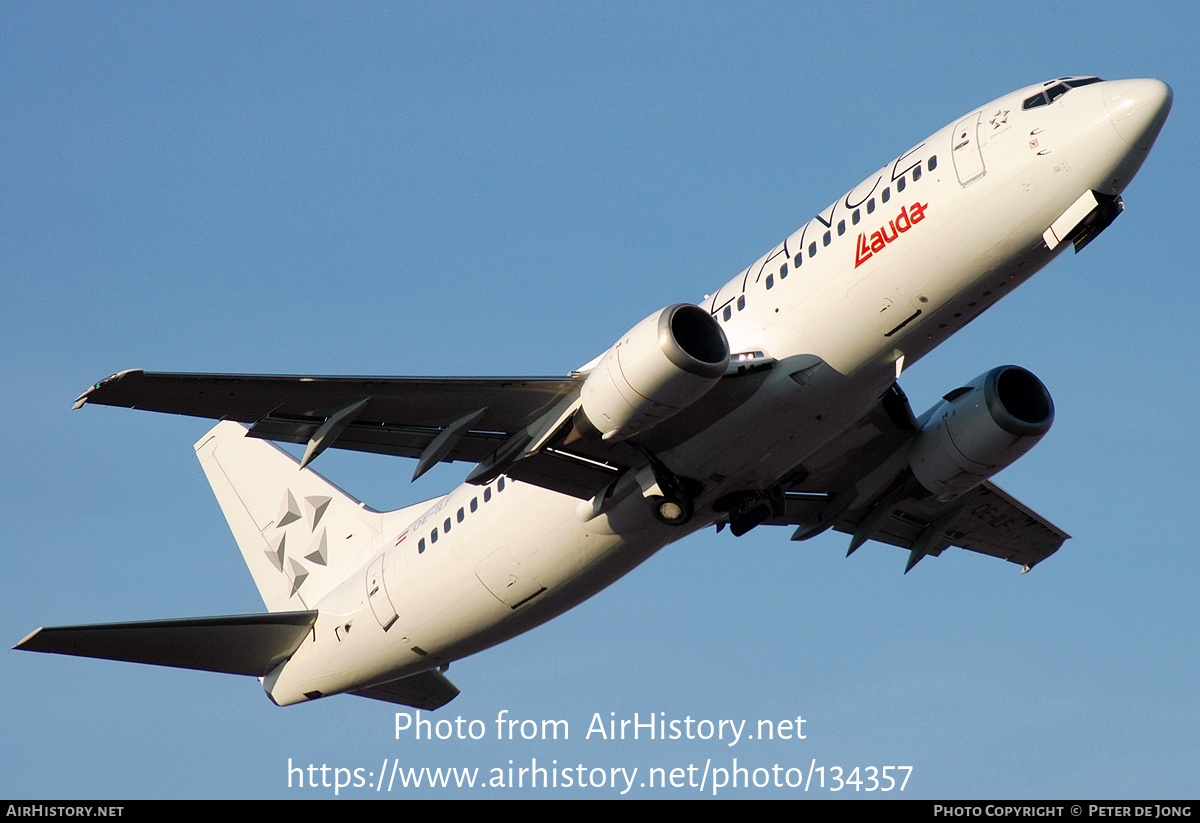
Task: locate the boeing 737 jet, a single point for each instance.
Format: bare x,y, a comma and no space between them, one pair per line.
774,402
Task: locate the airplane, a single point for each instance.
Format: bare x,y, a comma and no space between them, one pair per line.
774,401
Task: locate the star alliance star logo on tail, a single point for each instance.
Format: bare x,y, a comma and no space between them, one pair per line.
318,551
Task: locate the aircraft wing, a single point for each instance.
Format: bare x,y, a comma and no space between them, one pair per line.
387,415
490,421
515,425
985,519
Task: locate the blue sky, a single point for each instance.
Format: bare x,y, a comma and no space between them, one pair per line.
463,189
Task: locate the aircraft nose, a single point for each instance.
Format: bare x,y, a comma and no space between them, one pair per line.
1137,109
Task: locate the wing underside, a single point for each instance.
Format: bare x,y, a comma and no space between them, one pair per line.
859,485
400,416
521,426
986,520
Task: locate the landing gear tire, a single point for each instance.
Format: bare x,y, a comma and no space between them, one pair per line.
671,511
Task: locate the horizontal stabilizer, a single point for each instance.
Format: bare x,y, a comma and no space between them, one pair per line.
250,644
427,690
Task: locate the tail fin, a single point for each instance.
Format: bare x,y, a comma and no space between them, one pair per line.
299,534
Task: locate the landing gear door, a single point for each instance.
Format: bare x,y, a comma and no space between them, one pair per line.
966,151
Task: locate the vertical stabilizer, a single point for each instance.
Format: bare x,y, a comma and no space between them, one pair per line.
299,534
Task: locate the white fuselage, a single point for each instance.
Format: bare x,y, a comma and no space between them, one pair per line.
869,286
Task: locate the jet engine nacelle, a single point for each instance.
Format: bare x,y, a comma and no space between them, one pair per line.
979,429
659,367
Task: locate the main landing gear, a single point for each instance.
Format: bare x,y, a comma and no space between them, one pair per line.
670,496
747,509
671,511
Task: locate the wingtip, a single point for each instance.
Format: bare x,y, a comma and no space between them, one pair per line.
24,640
82,399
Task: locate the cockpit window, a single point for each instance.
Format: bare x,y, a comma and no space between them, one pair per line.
1056,89
1055,92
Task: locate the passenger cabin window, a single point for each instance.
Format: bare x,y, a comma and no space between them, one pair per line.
741,302
900,184
474,504
932,163
783,271
916,174
841,227
770,280
826,239
421,546
487,495
461,515
887,194
812,249
728,313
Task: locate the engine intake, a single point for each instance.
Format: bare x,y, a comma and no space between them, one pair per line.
979,429
658,368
